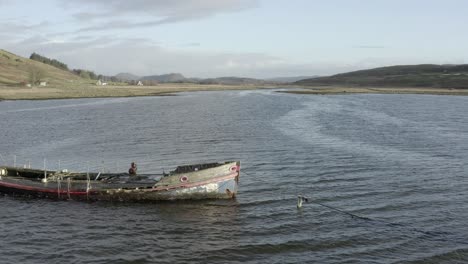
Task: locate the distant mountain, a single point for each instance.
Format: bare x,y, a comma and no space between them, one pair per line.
177,78
232,81
165,78
125,76
289,79
424,75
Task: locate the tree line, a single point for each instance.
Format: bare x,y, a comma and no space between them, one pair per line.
80,72
57,64
53,62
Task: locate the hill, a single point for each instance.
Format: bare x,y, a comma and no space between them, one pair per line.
289,79
424,75
19,71
164,78
125,76
232,81
179,78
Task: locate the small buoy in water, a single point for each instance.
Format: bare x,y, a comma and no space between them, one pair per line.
300,200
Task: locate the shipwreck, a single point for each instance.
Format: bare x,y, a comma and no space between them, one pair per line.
188,182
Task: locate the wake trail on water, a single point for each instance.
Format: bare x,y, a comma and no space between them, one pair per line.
309,125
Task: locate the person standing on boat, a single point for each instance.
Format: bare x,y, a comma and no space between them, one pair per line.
133,169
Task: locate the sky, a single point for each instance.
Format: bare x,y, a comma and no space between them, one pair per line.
249,38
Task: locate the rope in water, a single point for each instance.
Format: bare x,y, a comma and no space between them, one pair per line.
427,233
343,212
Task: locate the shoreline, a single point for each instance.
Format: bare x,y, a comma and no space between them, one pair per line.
52,93
337,90
75,92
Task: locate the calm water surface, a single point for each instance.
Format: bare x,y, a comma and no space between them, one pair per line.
400,160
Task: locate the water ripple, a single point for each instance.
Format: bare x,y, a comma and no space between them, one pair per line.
397,161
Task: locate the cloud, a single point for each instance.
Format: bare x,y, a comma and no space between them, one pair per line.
4,2
123,14
109,55
148,59
191,44
17,27
121,24
14,31
369,47
161,8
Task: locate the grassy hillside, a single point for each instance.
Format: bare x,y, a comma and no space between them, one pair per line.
426,75
16,71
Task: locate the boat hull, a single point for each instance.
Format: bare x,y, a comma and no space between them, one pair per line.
218,182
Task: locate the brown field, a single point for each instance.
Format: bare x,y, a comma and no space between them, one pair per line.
16,72
93,91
